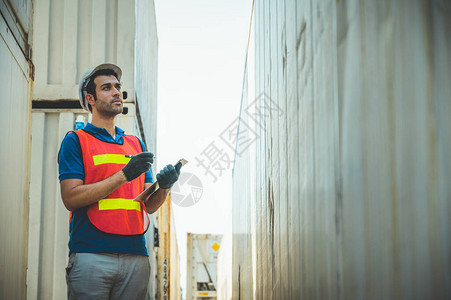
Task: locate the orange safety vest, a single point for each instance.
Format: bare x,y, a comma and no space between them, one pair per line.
117,213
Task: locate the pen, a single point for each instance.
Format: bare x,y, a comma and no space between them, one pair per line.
130,156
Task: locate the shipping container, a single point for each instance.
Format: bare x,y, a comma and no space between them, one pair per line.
146,71
167,278
201,273
224,267
45,47
49,219
145,99
344,193
18,15
69,37
16,83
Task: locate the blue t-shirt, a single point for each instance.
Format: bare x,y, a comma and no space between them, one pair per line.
85,237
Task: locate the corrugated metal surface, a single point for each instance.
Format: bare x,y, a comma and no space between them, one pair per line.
69,37
351,175
145,97
242,210
15,84
146,70
49,219
224,272
168,272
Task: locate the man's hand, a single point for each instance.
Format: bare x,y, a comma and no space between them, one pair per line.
168,176
137,165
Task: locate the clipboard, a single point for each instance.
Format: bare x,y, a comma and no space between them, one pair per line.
155,186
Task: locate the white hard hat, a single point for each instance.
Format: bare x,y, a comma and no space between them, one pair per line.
86,78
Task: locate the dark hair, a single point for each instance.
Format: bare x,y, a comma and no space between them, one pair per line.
91,87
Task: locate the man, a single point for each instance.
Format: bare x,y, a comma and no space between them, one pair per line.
101,171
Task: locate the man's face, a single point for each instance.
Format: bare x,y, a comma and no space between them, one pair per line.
109,96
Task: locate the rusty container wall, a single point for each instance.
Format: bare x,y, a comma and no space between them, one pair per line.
167,255
174,279
352,196
16,82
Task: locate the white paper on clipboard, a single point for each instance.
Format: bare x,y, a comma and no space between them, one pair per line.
154,186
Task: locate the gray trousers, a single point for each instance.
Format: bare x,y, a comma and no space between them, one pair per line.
107,276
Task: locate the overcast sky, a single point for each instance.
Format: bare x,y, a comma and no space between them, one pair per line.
201,53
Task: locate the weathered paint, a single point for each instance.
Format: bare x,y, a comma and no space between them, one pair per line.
167,255
18,15
351,173
16,86
69,37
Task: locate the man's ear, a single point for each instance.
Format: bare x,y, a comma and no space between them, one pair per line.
90,99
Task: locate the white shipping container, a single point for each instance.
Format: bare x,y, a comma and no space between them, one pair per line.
202,256
16,82
224,266
48,232
69,37
18,15
345,193
67,40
